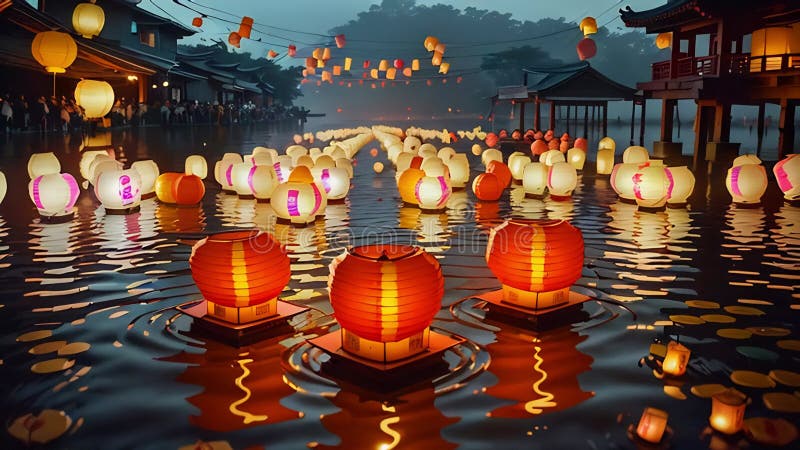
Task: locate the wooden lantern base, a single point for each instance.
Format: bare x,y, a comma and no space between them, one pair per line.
64,218
386,352
535,196
122,211
148,195
242,334
533,304
244,314
298,222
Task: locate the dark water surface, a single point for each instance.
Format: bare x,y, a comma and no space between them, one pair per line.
148,380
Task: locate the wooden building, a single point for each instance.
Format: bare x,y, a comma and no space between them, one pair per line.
724,53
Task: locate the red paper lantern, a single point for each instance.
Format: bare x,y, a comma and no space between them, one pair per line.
385,292
501,171
246,27
536,260
399,64
487,187
197,22
179,189
291,50
538,147
234,39
491,140
586,49
366,64
340,41
240,274
581,143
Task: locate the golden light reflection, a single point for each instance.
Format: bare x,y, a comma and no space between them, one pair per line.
234,407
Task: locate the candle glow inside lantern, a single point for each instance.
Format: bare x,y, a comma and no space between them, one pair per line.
746,180
516,164
385,297
120,191
652,425
605,161
622,180
577,157
534,179
536,261
335,181
651,186
727,411
681,187
676,359
298,202
787,173
53,194
240,274
562,179
432,192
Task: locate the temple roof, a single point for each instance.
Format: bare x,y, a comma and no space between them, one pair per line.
574,81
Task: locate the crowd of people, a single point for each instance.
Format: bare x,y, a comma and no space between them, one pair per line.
19,114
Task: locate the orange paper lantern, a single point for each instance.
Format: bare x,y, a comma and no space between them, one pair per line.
234,39
197,22
246,27
407,184
586,49
179,189
487,187
502,172
538,147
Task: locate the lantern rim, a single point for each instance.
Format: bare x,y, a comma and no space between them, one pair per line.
383,252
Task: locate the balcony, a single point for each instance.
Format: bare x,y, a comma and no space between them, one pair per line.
740,64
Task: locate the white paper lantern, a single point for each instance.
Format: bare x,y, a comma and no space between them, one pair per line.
491,154
607,143
3,186
458,165
337,153
296,151
605,161
254,181
747,183
445,153
534,179
266,151
787,173
682,185
561,180
394,150
516,164
622,180
119,190
403,161
87,158
196,165
325,162
304,160
102,163
576,157
148,173
651,186
347,165
432,192
551,157
412,144
635,155
283,167
53,194
298,203
43,164
223,170
430,162
334,180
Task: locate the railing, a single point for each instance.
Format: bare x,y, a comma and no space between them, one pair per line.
661,70
740,64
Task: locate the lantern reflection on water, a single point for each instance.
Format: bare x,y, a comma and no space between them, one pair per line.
652,425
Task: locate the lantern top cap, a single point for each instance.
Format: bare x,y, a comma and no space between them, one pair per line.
384,252
731,397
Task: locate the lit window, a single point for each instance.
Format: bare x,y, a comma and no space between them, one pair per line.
147,38
134,27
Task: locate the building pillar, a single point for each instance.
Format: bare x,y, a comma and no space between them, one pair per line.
633,118
552,115
786,128
722,122
143,88
537,115
642,121
701,125
605,119
522,116
760,127
667,114
586,121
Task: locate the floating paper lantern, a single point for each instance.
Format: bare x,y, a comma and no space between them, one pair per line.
297,202
561,181
491,154
436,59
432,192
197,22
291,51
581,143
43,164
605,161
54,50
335,181
588,26
652,425
95,97
664,40
476,150
88,19
554,144
378,167
234,39
102,163
430,43
407,185
383,65
325,161
746,180
487,186
346,165
502,172
415,65
3,186
586,49
348,62
635,155
304,160
606,142
326,54
491,140
536,260
539,147
444,67
551,157
240,274
576,157
681,184
196,165
385,298
534,179
391,73
445,153
787,173
411,144
676,359
179,188
340,40
246,27
651,186
119,190
53,194
87,158
727,411
458,165
622,180
257,182
301,174
223,170
432,166
148,172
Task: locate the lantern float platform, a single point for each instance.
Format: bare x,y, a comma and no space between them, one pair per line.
57,219
240,334
122,211
499,306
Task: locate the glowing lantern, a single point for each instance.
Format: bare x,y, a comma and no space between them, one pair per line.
635,155
326,76
444,67
102,163
120,191
651,186
491,154
411,144
374,74
292,50
622,180
652,425
588,26
727,411
664,40
487,186
536,260
261,181
197,22
772,43
787,173
681,184
561,181
54,50
440,47
337,70
148,172
407,185
365,64
502,172
605,161
43,164
445,153
230,269
538,147
391,73
245,27
607,142
335,181
676,359
383,65
576,157
340,41
95,97
301,174
551,157
432,192
586,49
398,64
87,158
581,143
88,19
348,62
196,165
491,139
403,161
553,144
272,54
298,202
458,165
223,170
415,64
431,163
746,180
436,59
179,189
326,54
3,186
53,194
234,39
430,43
534,179
517,163
378,167
385,297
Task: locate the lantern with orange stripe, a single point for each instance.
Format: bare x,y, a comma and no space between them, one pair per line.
536,260
240,274
298,202
385,297
179,188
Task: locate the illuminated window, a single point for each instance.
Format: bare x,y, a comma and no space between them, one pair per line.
147,38
134,27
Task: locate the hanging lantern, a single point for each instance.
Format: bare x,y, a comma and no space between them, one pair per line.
53,194
502,172
458,165
246,27
415,64
340,41
197,22
119,191
95,97
291,51
444,67
234,39
432,192
298,203
652,425
787,173
561,181
407,185
605,161
240,274
622,180
223,170
54,50
176,188
385,297
43,164
727,411
148,173
768,45
534,179
348,62
430,43
588,26
536,260
664,40
272,54
676,359
88,19
681,184
635,155
586,49
576,157
487,187
334,180
746,180
196,165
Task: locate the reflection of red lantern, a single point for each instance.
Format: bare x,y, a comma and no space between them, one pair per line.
536,260
385,298
179,189
366,64
586,48
398,63
240,274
